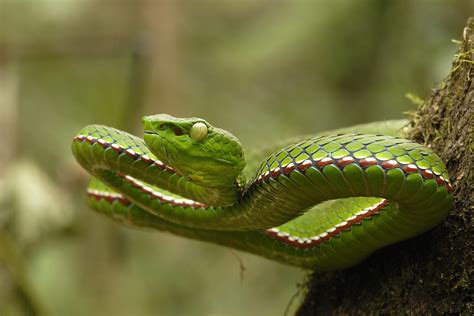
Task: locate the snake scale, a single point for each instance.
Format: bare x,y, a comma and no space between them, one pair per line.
323,202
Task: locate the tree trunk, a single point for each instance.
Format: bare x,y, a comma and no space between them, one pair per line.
433,273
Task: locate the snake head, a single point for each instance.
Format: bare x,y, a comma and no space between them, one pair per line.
204,154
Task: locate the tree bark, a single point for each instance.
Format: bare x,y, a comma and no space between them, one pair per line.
433,273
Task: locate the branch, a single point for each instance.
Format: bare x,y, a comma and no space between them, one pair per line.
433,273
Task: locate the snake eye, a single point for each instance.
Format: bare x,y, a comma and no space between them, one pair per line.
198,131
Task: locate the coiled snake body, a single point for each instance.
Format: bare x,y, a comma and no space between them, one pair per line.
325,202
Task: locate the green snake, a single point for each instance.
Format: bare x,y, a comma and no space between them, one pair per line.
323,202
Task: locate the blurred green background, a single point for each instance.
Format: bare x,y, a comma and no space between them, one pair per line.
262,69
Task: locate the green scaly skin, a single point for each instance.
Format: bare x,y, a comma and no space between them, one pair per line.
323,202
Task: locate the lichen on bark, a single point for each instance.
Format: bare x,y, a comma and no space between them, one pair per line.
433,273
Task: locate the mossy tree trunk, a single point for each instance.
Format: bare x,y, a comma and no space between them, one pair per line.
433,273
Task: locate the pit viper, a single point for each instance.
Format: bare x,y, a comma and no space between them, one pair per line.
322,202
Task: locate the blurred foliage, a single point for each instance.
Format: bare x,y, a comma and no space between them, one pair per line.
263,69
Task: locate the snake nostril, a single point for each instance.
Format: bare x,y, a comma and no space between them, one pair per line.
178,131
